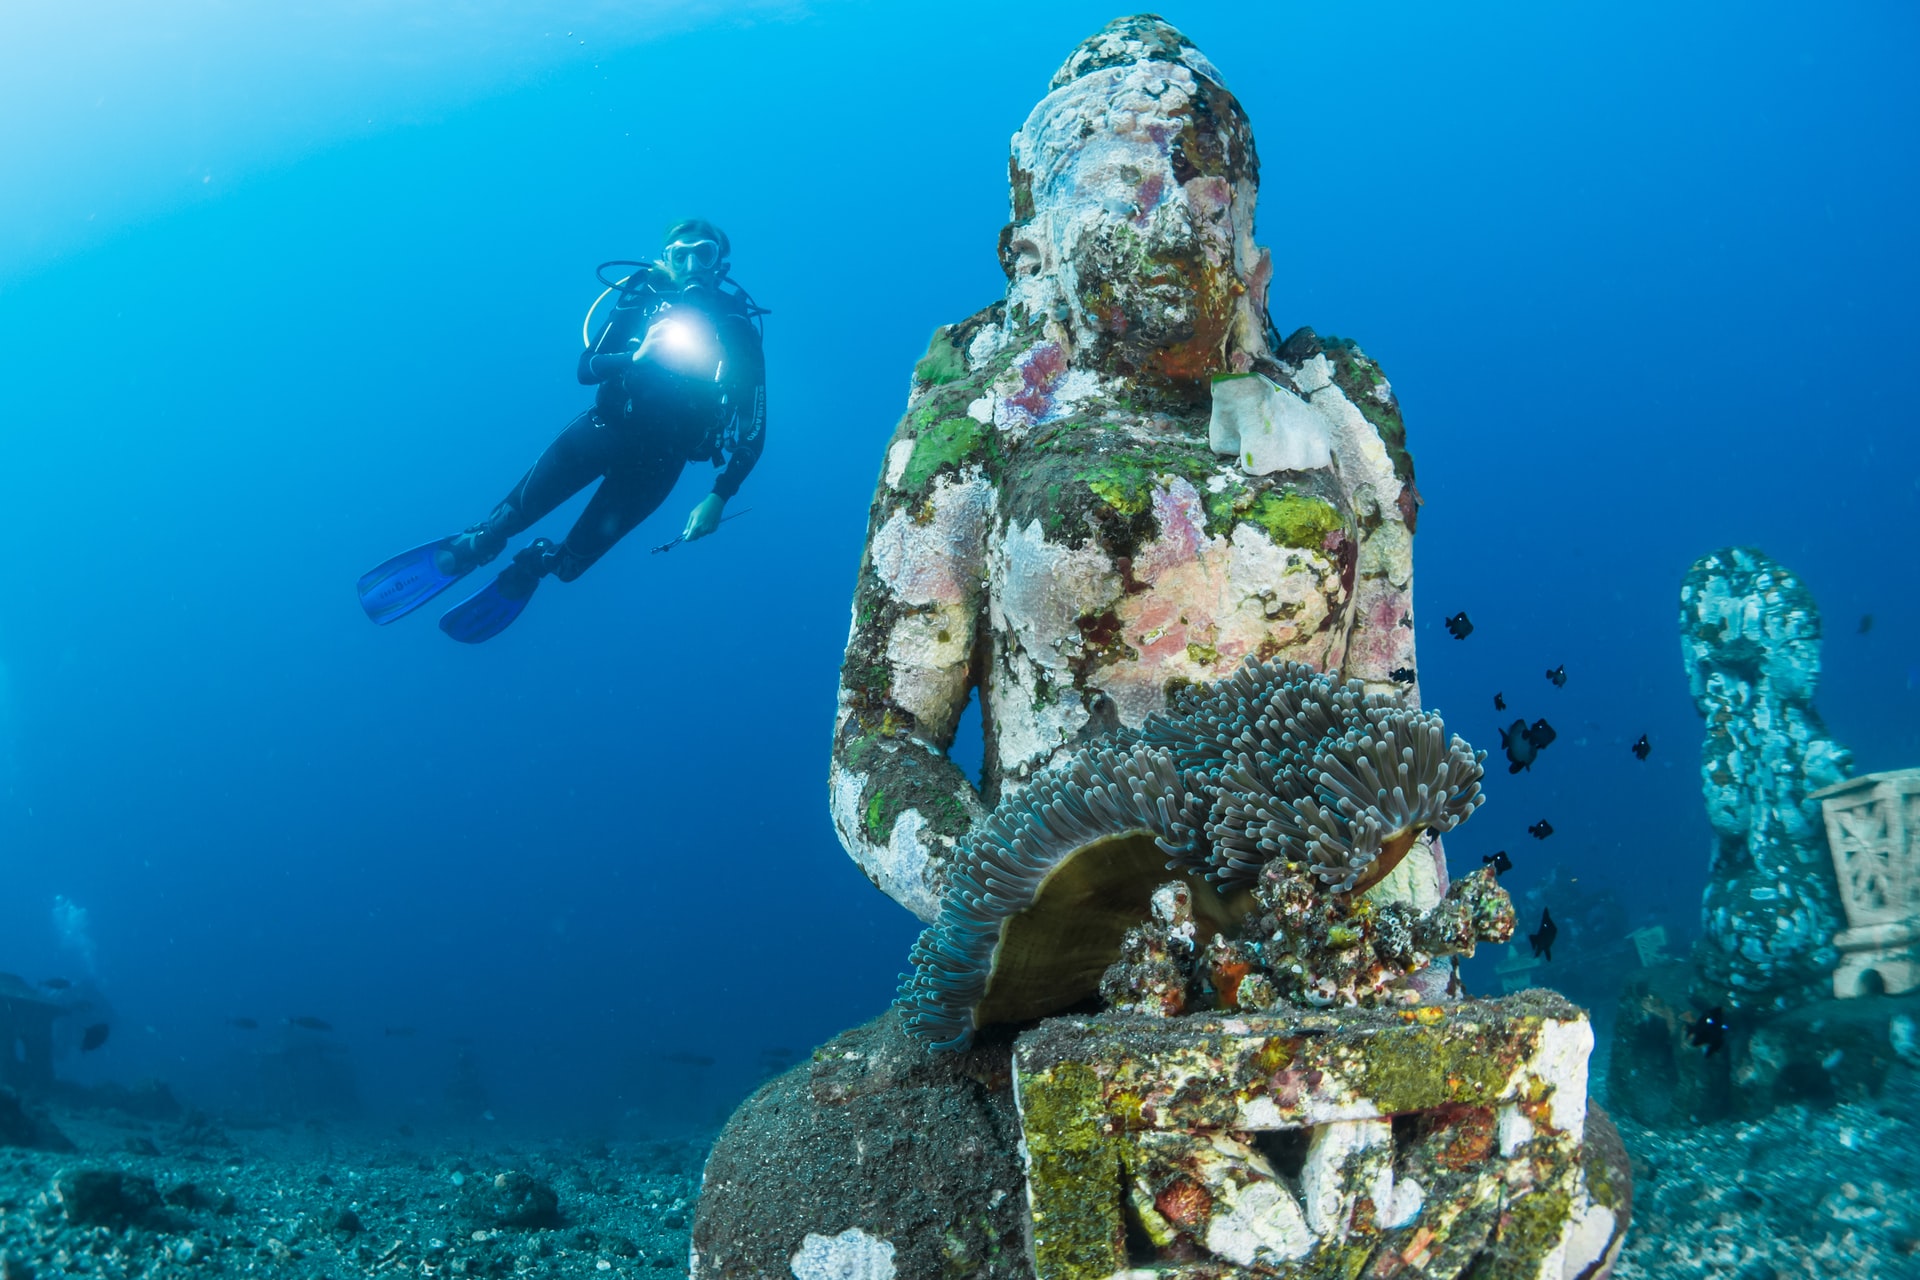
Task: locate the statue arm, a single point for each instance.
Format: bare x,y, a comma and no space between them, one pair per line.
899,802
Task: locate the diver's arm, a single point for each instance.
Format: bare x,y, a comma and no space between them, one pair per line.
748,394
612,354
595,369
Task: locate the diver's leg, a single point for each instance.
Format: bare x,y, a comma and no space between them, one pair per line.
577,457
630,494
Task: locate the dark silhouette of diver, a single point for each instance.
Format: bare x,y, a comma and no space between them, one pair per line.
680,375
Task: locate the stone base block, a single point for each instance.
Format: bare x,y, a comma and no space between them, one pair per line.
1433,1141
1877,959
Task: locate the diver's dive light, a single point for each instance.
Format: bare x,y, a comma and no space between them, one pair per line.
682,342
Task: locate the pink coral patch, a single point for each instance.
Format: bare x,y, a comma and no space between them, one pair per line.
1182,521
1158,613
1040,373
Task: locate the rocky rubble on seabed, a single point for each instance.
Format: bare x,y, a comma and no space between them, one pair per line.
161,1201
1804,1192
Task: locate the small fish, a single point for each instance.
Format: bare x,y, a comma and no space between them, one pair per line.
398,1031
1709,1031
311,1024
1642,749
1524,742
1518,746
1459,626
1401,675
1866,623
93,1037
1559,676
1500,863
1499,703
1540,830
56,984
1542,941
245,1024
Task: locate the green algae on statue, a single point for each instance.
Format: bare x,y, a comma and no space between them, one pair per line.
1056,528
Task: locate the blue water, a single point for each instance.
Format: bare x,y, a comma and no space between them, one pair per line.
281,298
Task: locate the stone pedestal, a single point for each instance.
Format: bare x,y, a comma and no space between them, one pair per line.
1440,1139
1873,829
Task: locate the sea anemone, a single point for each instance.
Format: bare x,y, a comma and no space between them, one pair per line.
1278,762
1043,892
1301,766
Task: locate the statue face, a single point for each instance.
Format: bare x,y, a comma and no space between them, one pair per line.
1133,195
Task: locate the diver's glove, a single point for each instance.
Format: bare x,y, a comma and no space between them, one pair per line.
705,518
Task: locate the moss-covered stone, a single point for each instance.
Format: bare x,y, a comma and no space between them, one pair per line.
1530,1226
1168,1100
944,444
898,780
1076,1236
1296,519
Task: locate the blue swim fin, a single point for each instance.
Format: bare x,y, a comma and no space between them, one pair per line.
404,583
490,610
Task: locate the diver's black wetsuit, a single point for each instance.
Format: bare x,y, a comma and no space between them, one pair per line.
705,396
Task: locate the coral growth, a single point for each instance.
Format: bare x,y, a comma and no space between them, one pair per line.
1307,785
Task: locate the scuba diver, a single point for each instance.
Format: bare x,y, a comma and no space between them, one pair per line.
680,374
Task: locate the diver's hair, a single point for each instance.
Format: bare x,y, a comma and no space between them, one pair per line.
701,229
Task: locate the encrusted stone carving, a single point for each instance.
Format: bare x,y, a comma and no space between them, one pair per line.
1428,1141
1873,829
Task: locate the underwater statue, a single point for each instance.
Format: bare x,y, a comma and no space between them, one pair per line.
1750,637
1176,1011
1068,521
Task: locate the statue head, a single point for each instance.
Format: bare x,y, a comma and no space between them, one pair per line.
1133,188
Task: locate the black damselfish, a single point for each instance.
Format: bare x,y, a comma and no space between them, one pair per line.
1642,749
1709,1031
1542,941
1401,675
1459,626
1500,863
1559,676
1499,703
1540,830
1523,742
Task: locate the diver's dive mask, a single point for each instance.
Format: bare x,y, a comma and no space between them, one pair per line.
685,257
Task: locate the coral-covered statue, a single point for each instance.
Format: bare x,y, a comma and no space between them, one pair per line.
1055,524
